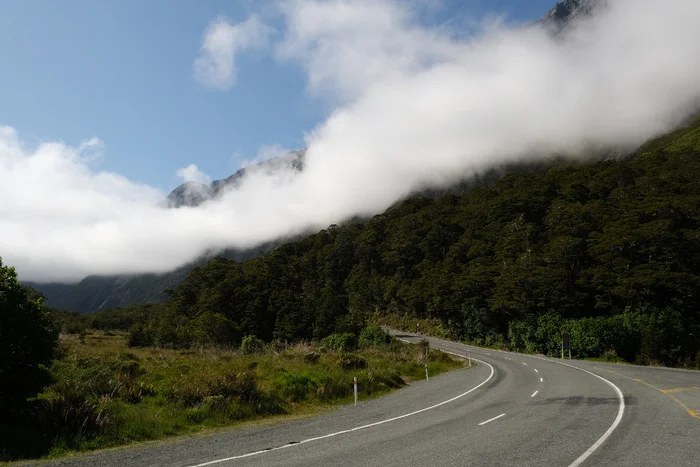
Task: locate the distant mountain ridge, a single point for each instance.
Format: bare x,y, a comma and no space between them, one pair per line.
192,194
96,293
568,12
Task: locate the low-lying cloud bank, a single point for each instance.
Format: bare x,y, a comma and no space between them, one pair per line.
414,107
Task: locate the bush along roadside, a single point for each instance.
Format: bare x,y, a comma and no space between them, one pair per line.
104,393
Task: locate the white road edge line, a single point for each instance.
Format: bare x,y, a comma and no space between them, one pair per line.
618,419
616,422
357,428
534,394
492,419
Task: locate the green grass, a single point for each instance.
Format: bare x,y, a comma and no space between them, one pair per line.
105,394
405,322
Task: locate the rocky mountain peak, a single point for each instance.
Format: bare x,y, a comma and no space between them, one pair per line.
567,12
192,194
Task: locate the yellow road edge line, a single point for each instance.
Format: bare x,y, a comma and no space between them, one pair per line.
669,391
692,413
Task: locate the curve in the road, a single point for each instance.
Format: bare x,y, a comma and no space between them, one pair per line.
554,412
608,432
616,422
357,428
576,462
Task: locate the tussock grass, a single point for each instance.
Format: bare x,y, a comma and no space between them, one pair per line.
106,394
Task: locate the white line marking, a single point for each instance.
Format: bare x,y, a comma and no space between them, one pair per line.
487,354
507,358
606,435
357,428
492,419
616,422
524,363
536,370
541,380
534,393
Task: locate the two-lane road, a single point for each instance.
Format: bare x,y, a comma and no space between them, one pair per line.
511,409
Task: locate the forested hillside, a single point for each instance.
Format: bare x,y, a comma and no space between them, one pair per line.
609,251
96,293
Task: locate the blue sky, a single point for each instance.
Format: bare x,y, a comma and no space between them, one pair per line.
123,71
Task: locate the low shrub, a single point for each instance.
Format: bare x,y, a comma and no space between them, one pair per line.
339,342
139,336
350,362
251,345
295,387
312,357
192,390
373,336
105,394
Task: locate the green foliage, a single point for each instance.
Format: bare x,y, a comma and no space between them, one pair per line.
192,391
139,336
373,336
27,341
351,361
646,336
296,387
505,262
252,345
69,322
105,394
340,342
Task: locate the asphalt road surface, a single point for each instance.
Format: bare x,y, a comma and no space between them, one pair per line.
510,409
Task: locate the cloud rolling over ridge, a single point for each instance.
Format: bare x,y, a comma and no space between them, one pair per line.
413,107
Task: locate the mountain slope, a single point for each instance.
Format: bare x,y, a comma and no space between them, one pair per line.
96,293
103,292
100,292
566,13
193,194
608,251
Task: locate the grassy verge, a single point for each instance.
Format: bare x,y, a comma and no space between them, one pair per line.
405,322
106,394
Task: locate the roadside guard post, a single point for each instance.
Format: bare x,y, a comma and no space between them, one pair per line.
354,383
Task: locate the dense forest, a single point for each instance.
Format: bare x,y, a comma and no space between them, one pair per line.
608,251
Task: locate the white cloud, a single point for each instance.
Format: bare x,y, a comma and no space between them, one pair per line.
216,64
346,46
192,174
265,153
415,106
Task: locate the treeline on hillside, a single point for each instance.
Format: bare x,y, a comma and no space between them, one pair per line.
609,251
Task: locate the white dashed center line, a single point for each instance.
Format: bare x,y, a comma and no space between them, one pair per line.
492,419
534,393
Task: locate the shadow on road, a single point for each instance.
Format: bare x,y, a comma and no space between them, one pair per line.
583,400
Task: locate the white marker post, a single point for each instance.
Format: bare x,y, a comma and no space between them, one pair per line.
354,382
426,372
